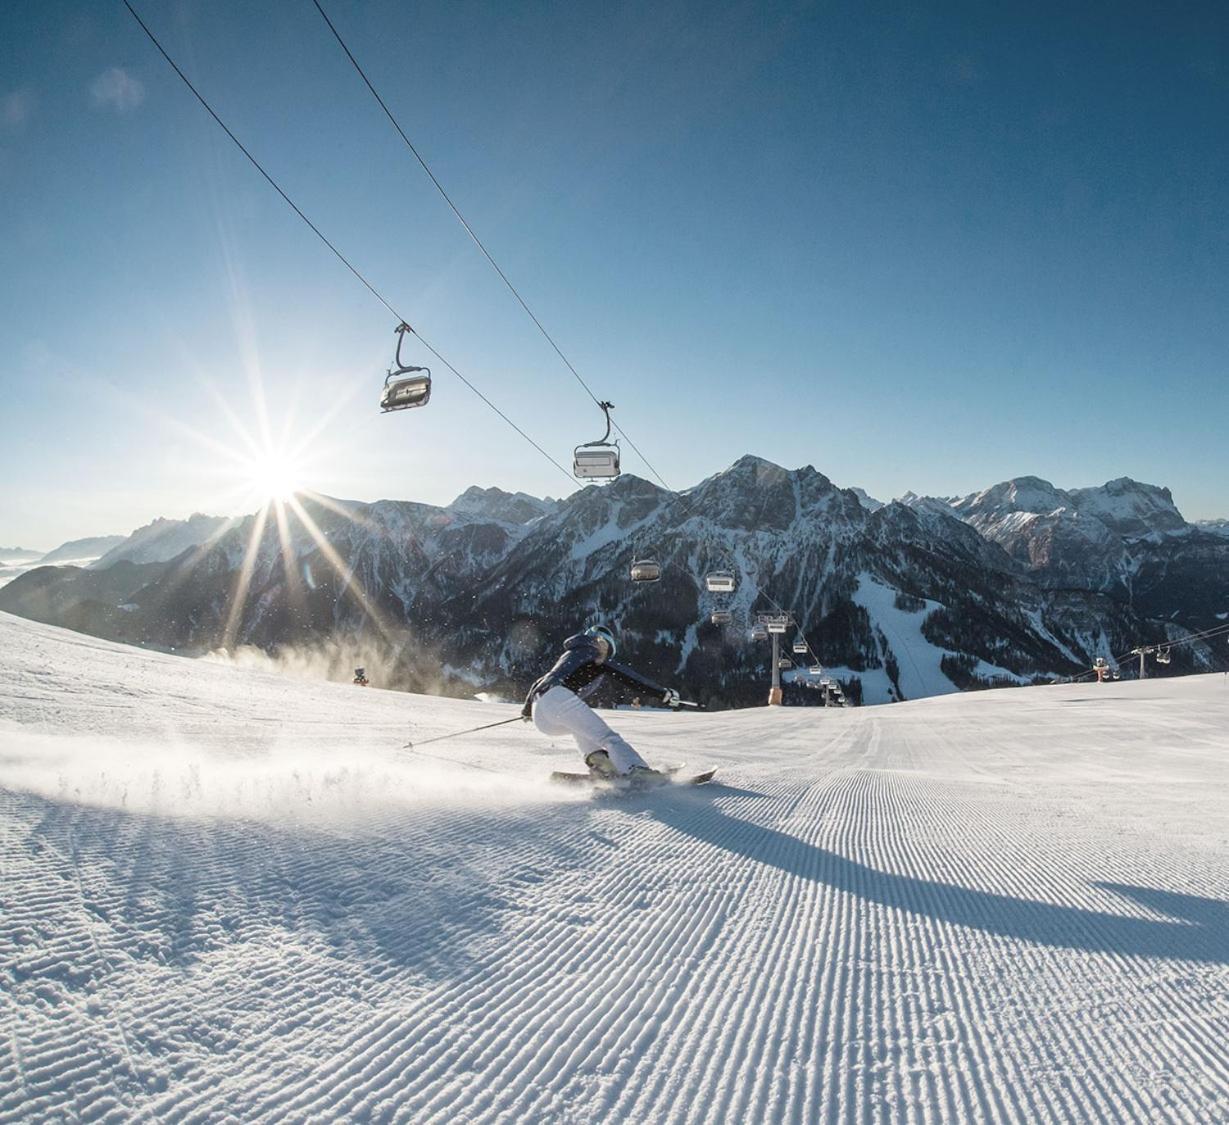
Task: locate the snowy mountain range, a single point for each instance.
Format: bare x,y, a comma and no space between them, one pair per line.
1020,582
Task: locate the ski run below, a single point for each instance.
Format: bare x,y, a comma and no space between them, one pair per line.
230,896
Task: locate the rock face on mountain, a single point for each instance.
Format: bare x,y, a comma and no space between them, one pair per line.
1123,538
915,597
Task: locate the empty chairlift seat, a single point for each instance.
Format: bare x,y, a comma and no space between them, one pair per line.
800,647
595,462
721,617
598,460
405,386
719,582
759,633
646,570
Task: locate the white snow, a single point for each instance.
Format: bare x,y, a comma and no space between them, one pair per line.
918,661
228,895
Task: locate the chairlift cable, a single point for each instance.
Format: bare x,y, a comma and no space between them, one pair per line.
474,236
320,234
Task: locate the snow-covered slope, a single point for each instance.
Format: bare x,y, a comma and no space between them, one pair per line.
228,896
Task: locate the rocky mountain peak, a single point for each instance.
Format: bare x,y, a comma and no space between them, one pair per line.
496,504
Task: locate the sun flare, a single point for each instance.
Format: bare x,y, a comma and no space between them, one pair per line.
274,477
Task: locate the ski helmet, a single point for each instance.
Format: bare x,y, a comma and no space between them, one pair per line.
605,632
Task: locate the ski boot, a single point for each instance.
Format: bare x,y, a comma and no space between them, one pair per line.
600,766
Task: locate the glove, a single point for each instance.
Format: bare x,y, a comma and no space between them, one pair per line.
671,698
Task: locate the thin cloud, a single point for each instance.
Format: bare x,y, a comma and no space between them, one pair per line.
116,89
16,109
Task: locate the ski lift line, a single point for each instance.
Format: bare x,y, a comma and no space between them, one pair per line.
1207,634
474,236
323,238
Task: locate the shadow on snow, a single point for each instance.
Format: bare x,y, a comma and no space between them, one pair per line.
1201,932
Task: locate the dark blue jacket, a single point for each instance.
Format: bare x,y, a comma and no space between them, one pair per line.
579,669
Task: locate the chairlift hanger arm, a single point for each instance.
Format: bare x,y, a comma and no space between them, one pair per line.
607,407
401,330
402,366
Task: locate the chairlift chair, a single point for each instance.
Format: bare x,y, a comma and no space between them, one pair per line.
406,386
721,617
779,626
646,570
1162,655
800,647
597,460
759,633
719,582
784,662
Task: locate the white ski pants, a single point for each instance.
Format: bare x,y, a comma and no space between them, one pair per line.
560,711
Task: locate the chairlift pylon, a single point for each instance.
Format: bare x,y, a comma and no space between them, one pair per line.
407,386
598,460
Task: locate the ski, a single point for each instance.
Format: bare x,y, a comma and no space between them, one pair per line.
669,777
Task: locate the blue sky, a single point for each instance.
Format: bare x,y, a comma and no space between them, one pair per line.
926,247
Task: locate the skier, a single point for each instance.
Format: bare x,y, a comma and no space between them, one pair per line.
556,704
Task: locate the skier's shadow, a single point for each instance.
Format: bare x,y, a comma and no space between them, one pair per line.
1199,933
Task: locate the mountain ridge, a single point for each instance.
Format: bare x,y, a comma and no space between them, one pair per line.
909,597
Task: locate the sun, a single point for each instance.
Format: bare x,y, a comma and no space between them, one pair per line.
274,477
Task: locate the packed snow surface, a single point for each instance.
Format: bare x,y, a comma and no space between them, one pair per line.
232,896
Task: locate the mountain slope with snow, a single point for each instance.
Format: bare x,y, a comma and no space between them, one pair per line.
229,895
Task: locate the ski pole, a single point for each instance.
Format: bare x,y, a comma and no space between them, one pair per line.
458,733
688,703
